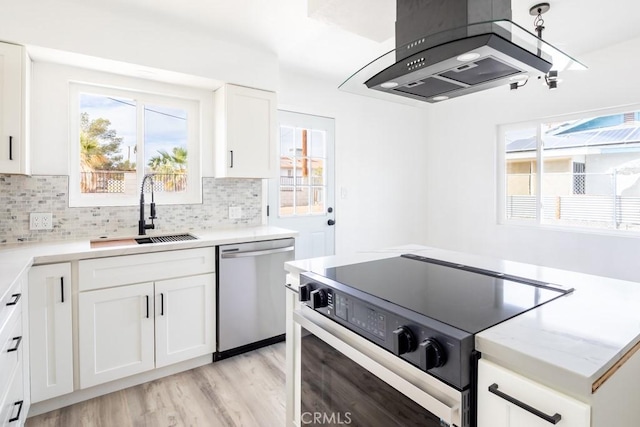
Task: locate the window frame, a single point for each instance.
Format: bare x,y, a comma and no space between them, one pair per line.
501,175
192,105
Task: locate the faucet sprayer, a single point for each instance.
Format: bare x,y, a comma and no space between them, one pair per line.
142,226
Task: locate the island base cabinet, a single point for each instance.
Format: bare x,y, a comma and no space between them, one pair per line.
50,331
185,318
116,331
506,399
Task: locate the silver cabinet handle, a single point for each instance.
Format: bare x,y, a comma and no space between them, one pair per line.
257,253
553,419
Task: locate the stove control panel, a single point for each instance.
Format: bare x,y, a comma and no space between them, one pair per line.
418,344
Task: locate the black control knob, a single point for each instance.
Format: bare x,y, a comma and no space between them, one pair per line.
318,298
432,354
304,292
403,341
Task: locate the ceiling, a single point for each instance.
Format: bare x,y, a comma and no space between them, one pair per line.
337,37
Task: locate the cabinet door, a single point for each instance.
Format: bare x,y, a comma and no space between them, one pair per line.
116,333
515,401
185,318
247,137
50,335
12,107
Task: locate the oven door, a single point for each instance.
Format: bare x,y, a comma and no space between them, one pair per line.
343,379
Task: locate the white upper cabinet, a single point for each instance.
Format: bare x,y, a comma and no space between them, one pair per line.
14,96
245,145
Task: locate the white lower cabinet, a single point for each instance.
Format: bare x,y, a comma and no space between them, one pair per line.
506,399
130,329
116,333
50,333
185,318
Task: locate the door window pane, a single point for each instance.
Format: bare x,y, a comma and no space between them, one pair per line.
302,178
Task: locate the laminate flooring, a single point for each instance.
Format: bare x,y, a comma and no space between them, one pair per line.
246,390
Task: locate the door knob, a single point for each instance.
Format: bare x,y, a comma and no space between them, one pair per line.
331,222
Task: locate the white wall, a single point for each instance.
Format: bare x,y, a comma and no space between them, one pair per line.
461,168
380,152
82,28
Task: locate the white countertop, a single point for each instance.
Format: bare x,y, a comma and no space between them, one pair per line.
567,343
15,259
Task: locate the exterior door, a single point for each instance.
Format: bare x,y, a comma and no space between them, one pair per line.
302,197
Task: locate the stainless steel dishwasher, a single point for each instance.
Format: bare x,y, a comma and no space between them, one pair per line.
251,294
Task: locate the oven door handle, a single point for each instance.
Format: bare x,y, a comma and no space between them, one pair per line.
316,324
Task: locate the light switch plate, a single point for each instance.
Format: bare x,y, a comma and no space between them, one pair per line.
235,212
40,221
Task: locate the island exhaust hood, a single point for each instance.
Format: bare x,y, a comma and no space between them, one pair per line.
449,48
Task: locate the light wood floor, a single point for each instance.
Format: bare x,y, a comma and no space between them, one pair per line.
244,390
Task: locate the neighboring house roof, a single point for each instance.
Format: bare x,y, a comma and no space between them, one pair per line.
601,131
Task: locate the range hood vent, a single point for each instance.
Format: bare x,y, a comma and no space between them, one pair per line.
445,49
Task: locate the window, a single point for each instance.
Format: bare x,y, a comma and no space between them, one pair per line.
573,172
118,136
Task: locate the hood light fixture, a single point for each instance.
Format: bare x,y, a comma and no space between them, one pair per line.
389,85
469,56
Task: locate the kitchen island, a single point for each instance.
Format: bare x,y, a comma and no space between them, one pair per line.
581,345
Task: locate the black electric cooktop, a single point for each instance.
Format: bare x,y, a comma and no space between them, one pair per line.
466,298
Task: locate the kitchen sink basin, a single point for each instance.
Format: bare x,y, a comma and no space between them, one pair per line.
105,242
164,239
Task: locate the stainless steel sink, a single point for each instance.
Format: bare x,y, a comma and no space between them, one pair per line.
165,239
106,242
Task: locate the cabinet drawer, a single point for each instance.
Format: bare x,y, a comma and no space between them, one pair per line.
10,339
130,269
10,302
520,398
11,410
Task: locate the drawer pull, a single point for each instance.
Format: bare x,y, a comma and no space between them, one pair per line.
16,298
19,404
553,419
18,341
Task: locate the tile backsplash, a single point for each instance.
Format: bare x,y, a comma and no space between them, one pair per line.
21,195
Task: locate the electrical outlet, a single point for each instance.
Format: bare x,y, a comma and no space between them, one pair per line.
41,221
235,212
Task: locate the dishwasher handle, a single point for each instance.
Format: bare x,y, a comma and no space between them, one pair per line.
257,253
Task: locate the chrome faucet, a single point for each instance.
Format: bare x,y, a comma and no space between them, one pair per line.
142,226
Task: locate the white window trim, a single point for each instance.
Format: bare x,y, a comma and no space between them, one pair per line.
501,183
194,130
